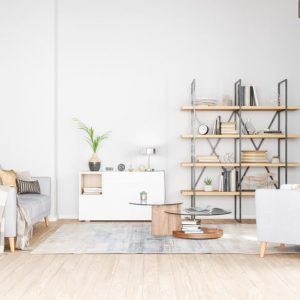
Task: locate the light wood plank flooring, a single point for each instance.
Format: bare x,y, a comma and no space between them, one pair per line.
146,276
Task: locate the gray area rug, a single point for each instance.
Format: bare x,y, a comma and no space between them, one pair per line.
80,238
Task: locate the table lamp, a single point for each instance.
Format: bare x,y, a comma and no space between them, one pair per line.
149,151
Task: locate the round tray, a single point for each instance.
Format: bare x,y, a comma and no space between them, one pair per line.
209,233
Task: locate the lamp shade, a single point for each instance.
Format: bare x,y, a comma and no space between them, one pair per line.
148,151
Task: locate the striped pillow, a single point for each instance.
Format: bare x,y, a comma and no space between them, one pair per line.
28,187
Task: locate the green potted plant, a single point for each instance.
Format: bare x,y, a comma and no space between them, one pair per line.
208,187
94,141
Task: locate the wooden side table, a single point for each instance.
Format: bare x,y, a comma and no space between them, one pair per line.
164,223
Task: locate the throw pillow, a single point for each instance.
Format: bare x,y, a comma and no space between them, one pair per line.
8,177
24,175
28,187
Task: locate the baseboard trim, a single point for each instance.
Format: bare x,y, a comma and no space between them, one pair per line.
67,217
53,218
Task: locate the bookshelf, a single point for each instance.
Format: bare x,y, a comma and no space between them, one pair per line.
280,110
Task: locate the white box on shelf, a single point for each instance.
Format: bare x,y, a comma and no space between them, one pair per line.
114,191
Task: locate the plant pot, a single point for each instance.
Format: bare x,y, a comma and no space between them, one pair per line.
208,188
94,163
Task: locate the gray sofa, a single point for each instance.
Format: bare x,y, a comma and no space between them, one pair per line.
38,206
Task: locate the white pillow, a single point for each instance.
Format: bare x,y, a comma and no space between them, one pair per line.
24,175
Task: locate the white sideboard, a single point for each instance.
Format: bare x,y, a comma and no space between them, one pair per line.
118,189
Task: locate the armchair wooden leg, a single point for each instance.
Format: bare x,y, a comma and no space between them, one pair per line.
46,221
11,244
263,247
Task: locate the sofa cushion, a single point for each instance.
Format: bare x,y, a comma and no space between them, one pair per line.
36,204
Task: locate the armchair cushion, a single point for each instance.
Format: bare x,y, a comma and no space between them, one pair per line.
37,206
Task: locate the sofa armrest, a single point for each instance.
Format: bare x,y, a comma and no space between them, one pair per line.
10,229
45,185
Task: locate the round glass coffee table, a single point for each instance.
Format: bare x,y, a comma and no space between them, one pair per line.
163,223
203,232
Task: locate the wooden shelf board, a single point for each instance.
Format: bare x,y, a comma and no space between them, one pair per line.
210,136
235,108
243,136
207,164
214,193
291,164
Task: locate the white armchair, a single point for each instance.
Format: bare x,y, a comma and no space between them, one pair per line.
277,217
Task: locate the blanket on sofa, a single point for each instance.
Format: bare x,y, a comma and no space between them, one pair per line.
24,227
3,198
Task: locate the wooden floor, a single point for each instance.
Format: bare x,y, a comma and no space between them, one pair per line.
146,276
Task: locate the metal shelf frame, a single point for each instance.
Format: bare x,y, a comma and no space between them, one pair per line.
237,116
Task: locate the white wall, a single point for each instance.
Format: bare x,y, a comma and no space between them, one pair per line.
126,66
27,87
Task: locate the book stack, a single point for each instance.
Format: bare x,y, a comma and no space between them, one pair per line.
208,158
247,96
228,128
191,226
206,101
228,181
255,156
92,191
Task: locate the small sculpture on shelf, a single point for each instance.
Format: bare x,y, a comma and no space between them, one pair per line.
228,158
248,127
227,101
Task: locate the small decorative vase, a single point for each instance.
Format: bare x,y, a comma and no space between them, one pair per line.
208,188
94,163
143,197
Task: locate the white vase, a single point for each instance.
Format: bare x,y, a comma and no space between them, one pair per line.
94,163
208,188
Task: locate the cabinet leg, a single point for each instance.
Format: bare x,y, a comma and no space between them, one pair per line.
263,247
46,221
